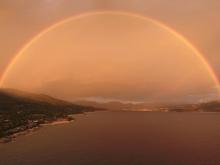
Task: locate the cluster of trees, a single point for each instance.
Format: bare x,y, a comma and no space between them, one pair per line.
20,111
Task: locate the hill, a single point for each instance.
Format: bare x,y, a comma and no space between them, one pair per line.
125,106
20,111
213,106
112,105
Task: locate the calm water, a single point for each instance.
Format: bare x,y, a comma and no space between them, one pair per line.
121,138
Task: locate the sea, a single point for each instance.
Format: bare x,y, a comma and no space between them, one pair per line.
121,138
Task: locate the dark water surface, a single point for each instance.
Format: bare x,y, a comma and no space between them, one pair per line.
121,138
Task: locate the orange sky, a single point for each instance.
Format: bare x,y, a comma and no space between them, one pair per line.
114,56
196,20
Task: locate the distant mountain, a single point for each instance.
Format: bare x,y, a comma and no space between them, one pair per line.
15,96
20,110
112,105
11,99
117,105
213,106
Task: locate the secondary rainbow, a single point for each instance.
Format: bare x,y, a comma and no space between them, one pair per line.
75,17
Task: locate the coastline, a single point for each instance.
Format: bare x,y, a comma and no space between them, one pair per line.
13,136
19,131
58,122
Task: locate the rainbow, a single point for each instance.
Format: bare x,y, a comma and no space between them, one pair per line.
75,17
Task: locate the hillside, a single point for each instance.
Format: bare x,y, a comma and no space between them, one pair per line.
213,106
112,105
125,106
20,110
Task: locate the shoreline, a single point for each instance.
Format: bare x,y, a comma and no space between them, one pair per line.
66,120
59,121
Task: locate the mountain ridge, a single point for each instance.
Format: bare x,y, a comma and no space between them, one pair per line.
21,111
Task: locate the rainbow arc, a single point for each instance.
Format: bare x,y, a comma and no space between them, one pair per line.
75,17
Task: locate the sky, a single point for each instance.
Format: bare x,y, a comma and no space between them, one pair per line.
197,20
